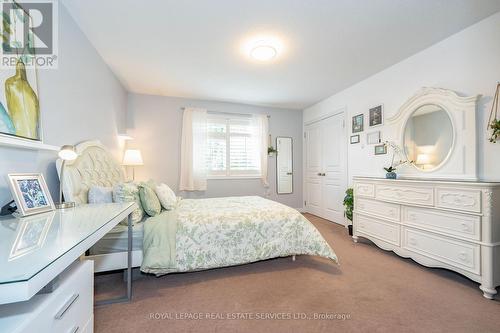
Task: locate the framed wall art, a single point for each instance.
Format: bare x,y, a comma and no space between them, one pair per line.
376,115
357,123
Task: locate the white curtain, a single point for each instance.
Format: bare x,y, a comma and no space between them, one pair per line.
193,150
262,123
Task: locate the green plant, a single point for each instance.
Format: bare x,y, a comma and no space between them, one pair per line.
495,130
493,121
349,203
271,150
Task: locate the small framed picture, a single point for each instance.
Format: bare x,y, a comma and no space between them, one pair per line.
357,123
373,138
30,193
354,139
376,115
380,149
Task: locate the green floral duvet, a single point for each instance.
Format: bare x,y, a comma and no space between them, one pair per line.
229,231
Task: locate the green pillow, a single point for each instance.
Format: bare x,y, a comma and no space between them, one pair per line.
149,200
129,192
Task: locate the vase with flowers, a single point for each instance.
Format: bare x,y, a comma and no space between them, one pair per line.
396,151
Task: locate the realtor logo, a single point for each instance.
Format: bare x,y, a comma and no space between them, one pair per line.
29,33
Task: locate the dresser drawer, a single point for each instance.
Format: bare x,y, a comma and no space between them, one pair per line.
365,190
385,231
380,209
70,306
461,199
406,194
456,253
466,226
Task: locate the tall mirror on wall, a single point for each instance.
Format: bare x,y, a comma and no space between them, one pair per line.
284,165
428,137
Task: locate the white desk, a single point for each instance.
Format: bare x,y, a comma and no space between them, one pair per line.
40,250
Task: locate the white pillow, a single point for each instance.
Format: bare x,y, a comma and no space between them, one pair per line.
100,194
166,196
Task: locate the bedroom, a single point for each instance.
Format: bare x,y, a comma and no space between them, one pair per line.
287,104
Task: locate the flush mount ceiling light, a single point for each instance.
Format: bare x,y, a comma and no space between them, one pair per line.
263,52
262,48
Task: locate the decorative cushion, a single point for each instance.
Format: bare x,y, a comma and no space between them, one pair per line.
100,194
149,200
166,196
129,192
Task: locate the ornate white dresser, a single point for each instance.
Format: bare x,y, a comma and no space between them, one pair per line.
448,224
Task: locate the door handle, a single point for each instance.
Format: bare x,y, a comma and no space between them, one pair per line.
319,173
323,174
289,173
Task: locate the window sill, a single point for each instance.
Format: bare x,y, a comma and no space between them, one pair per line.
232,177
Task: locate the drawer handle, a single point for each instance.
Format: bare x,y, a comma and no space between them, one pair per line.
74,329
412,241
66,306
391,212
465,227
463,256
361,206
412,217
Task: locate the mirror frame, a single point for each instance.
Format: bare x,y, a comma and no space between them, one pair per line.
453,141
277,153
462,161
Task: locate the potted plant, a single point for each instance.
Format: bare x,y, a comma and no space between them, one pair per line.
493,121
349,205
396,150
271,151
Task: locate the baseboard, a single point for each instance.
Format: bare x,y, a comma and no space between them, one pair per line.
302,210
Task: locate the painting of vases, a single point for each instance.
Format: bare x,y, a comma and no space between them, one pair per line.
19,107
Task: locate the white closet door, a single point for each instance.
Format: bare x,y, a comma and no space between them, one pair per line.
313,168
326,173
334,168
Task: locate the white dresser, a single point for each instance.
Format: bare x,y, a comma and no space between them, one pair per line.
44,287
448,224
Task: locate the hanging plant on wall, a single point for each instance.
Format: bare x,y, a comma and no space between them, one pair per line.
493,121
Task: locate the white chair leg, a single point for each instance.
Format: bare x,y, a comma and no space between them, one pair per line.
293,258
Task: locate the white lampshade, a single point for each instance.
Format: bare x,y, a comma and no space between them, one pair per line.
67,153
423,159
132,157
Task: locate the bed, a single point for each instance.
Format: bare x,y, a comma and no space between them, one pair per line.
199,233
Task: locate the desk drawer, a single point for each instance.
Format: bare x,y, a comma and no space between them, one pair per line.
387,232
453,252
466,226
415,195
380,209
70,306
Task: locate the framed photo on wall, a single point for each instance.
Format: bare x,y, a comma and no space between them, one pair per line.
376,115
357,123
354,139
30,193
380,149
373,138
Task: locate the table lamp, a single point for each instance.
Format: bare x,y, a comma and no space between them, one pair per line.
132,157
66,153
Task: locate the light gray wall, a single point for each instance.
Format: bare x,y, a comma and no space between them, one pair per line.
80,100
155,122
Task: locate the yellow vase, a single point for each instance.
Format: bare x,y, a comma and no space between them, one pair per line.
22,104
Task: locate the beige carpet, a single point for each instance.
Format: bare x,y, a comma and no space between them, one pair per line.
371,291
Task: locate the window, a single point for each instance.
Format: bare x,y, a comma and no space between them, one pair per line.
233,146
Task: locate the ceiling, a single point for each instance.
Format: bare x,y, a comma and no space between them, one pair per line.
192,48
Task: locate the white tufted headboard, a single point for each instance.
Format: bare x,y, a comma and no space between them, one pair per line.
94,166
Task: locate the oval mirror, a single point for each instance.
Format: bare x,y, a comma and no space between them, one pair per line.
428,137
